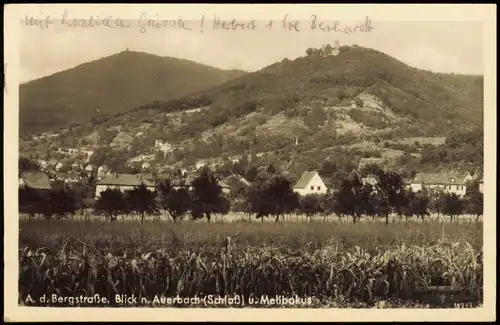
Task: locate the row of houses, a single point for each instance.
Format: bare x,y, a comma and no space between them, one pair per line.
56,165
449,182
309,183
126,182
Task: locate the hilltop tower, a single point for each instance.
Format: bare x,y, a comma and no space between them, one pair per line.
336,48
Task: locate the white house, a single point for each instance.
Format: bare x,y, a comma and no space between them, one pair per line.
200,164
123,182
235,159
89,167
58,166
71,151
163,146
481,185
226,189
449,182
88,152
43,164
310,183
145,165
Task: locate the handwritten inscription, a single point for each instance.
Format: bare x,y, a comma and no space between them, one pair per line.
316,24
93,21
155,22
291,25
42,23
146,21
233,24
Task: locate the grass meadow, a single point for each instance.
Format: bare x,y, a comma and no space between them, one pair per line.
335,263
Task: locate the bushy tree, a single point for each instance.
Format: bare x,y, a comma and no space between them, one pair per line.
237,196
272,196
141,201
176,202
310,205
111,203
474,200
83,193
224,206
354,199
328,49
453,205
417,204
30,201
59,203
371,205
390,193
207,197
436,200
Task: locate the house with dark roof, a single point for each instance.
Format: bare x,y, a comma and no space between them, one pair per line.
123,182
481,185
35,179
447,181
310,183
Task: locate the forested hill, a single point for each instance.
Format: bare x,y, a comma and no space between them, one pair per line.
109,85
436,99
302,114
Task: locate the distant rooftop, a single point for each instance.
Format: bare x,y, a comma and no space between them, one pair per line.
36,180
125,180
446,178
304,179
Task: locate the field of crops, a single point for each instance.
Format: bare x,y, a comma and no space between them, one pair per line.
333,264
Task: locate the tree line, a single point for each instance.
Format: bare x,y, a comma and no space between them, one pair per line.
271,194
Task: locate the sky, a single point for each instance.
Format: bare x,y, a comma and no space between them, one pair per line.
453,46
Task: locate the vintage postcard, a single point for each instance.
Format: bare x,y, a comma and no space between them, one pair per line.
249,162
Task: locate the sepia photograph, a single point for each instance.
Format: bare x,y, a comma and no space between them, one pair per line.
271,157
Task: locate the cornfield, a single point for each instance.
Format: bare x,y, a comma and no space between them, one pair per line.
330,275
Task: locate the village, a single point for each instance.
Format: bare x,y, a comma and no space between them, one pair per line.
310,182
